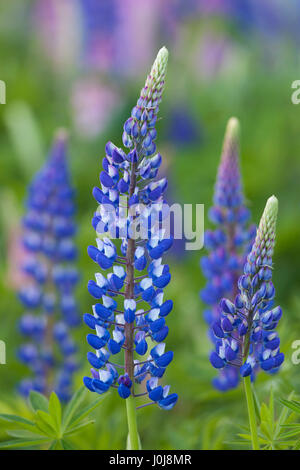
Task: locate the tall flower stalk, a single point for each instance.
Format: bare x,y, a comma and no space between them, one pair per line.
228,244
131,315
246,333
48,294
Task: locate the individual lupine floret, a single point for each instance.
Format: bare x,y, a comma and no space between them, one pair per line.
49,295
132,313
228,244
252,318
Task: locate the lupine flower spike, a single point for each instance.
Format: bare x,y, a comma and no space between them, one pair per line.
247,336
131,313
228,244
48,296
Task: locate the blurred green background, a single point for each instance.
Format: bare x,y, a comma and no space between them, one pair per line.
80,65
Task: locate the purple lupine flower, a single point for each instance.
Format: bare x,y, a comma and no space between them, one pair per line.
48,296
246,334
132,309
228,244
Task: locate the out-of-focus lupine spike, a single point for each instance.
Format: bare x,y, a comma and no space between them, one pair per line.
130,315
246,332
48,296
228,244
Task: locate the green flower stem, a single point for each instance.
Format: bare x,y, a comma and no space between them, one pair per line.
132,423
251,413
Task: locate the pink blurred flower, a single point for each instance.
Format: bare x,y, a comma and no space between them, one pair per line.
93,104
57,26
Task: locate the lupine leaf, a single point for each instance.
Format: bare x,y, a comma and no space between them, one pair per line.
22,443
75,429
55,411
283,417
248,437
38,401
293,405
297,445
67,445
23,433
293,433
46,422
291,426
53,445
237,443
87,410
16,419
72,406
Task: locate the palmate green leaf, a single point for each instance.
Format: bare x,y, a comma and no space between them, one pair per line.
297,445
16,419
267,419
38,401
87,410
75,429
56,445
61,444
291,433
67,445
248,437
283,417
53,445
46,423
291,426
73,406
23,423
23,433
291,404
285,444
19,443
55,411
238,443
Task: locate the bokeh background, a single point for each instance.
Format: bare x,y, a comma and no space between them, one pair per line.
80,64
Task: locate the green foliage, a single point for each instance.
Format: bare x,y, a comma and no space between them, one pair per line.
292,429
50,427
275,433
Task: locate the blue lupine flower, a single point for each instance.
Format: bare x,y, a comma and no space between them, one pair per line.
49,295
246,334
132,310
228,245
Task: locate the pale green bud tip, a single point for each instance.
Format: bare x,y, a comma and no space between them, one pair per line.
231,142
233,128
271,208
160,64
267,225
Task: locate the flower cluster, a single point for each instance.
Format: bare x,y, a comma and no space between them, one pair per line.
246,330
48,296
131,313
228,244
